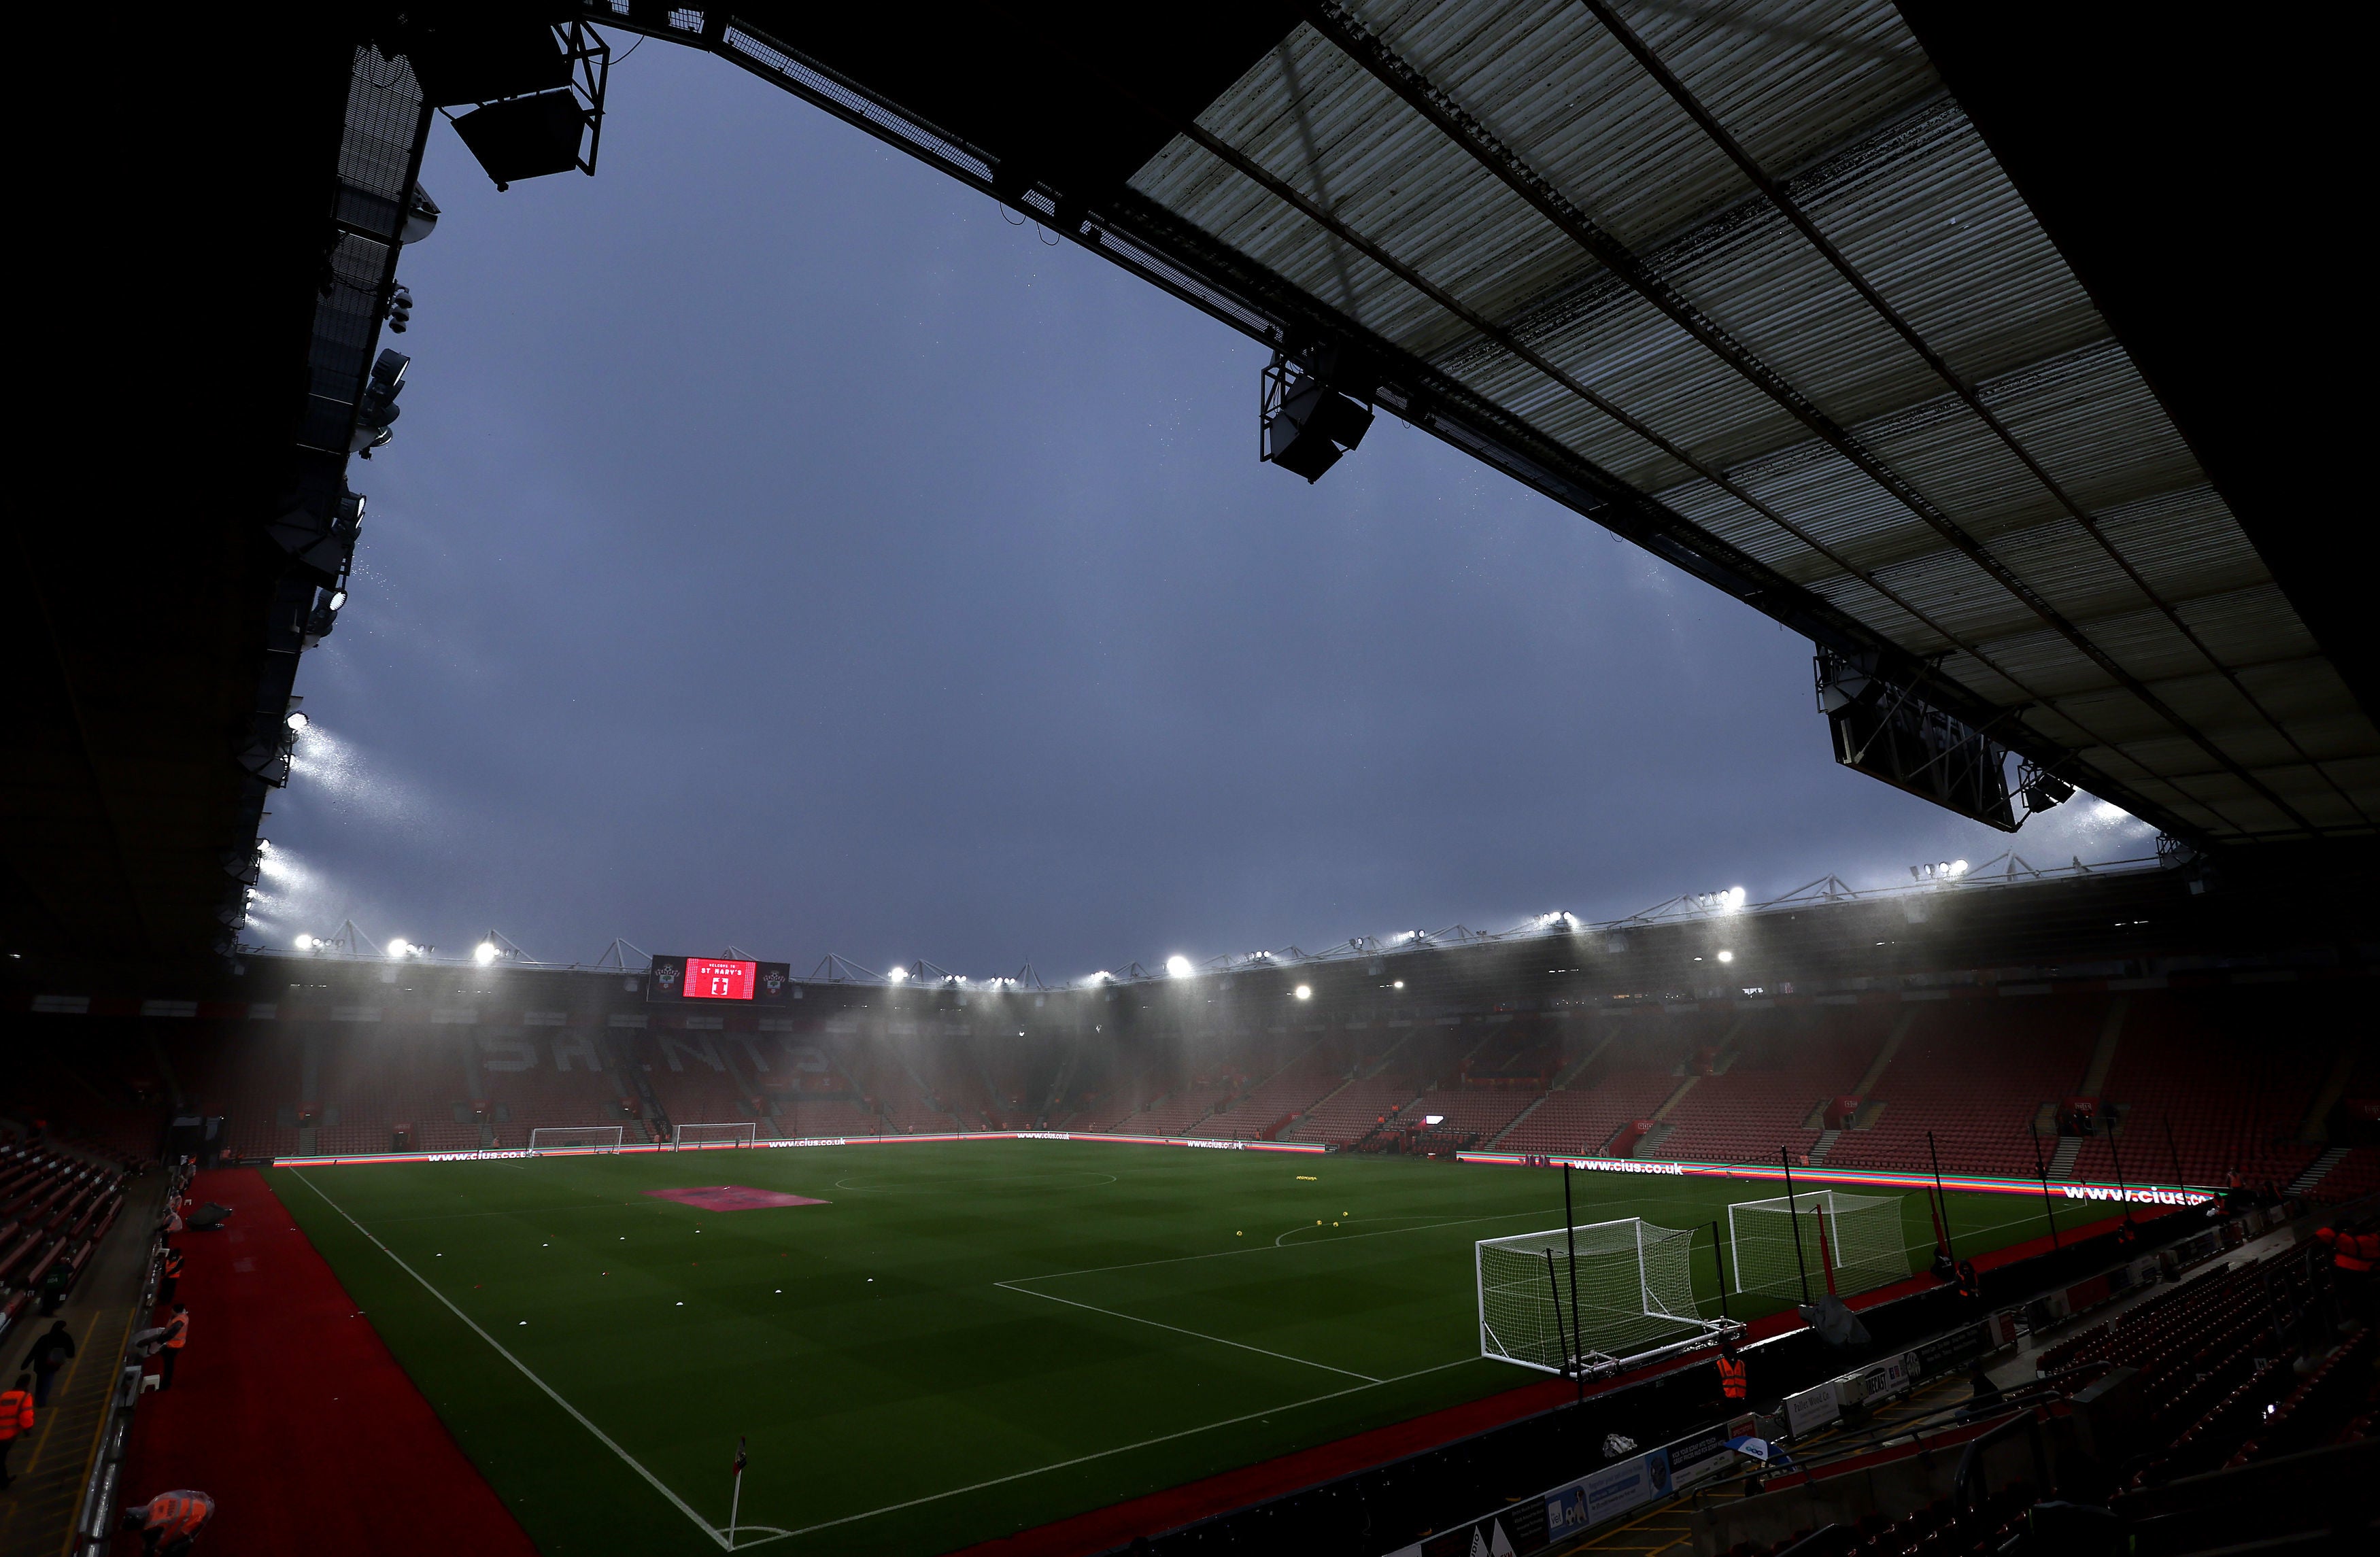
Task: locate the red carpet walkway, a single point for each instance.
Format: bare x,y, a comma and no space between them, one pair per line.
290,1411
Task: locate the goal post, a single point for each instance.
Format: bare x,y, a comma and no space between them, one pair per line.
1847,1243
577,1138
717,1135
1626,1294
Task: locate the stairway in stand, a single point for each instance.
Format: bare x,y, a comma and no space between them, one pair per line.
2317,1169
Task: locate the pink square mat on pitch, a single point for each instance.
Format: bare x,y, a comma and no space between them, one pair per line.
732,1198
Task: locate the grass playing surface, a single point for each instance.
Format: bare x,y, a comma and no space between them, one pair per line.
962,1340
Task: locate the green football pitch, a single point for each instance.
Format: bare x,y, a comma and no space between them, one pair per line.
962,1340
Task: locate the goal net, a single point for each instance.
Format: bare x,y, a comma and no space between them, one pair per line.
577,1138
1854,1239
1628,1292
718,1135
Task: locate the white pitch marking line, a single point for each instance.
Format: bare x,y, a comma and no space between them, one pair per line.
1195,1334
602,1437
1119,1449
1266,1248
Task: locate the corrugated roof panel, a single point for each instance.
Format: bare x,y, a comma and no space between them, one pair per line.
1836,99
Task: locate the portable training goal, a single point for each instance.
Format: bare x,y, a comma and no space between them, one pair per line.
1590,1298
577,1138
1847,1243
717,1135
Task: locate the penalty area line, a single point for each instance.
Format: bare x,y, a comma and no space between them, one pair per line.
1119,1449
1194,1335
552,1393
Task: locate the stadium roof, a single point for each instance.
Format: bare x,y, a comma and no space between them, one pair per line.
1750,284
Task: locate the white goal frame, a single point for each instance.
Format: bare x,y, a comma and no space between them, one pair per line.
598,1137
737,1133
1590,1299
1863,1244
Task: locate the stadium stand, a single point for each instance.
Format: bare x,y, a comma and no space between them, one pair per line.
696,1074
1267,1108
1630,1066
1976,1074
2200,1098
1781,1067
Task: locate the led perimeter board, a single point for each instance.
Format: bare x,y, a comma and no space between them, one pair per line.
719,981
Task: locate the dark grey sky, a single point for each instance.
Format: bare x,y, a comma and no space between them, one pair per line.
778,547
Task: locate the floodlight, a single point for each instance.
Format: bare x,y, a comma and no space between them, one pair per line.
1178,966
1305,992
1958,868
896,976
484,953
1735,896
1398,985
298,722
1727,956
304,943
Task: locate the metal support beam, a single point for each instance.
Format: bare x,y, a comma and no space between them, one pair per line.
1792,211
1349,34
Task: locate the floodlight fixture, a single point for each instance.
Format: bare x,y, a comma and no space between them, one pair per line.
1177,966
1398,985
484,953
897,974
296,721
1305,992
304,941
1727,956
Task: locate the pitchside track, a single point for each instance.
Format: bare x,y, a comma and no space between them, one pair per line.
952,1342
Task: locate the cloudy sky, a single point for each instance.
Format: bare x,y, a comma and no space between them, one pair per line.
780,548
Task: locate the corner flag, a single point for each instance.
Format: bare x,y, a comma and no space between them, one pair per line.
735,1497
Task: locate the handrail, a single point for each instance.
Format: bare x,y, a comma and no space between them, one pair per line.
95,1529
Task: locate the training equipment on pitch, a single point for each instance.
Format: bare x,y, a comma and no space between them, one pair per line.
1634,1297
1856,1238
717,1135
577,1138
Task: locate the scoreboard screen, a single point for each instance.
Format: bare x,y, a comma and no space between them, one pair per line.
717,979
709,979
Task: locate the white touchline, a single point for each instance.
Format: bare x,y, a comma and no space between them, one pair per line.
1197,1334
1119,1449
577,1416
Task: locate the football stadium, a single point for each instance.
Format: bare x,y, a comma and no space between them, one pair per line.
2026,1202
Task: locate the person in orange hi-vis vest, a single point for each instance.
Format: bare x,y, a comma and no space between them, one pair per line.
177,1336
170,1521
1734,1381
16,1419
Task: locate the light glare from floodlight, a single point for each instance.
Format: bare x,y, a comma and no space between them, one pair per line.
1727,956
1398,985
1177,966
484,953
897,974
304,943
397,947
298,722
1305,992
